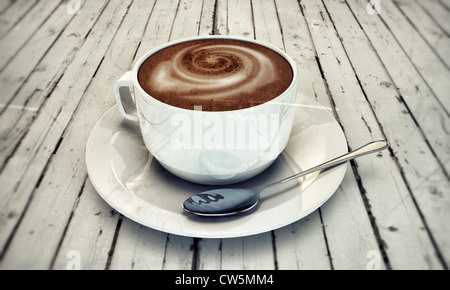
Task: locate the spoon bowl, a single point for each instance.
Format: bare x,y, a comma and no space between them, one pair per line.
220,202
230,201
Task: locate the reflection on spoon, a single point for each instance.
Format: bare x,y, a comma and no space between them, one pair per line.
229,201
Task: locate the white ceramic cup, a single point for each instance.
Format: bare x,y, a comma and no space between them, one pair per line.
207,147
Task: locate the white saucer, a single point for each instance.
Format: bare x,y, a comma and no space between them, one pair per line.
131,181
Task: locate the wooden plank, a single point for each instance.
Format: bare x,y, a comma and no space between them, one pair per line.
439,11
399,223
27,100
348,229
117,59
4,5
159,26
179,253
15,12
17,37
267,27
55,183
207,18
11,77
89,235
209,254
426,110
240,19
445,3
301,245
436,38
427,181
248,253
139,248
188,17
297,42
430,67
221,18
237,253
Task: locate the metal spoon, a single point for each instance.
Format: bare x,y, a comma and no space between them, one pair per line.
228,201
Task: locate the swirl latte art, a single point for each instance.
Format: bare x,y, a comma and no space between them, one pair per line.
216,74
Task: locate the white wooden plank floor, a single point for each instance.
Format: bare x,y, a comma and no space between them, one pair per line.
382,68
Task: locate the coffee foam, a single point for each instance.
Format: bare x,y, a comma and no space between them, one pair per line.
217,74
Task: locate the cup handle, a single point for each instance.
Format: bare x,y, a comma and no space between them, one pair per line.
124,96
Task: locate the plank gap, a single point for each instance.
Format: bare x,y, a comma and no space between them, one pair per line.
411,22
274,250
165,251
195,253
22,214
407,56
433,17
44,21
57,145
400,97
427,142
330,258
253,19
200,18
439,254
143,32
58,247
279,24
99,65
11,2
381,243
214,24
11,154
96,20
44,171
174,17
113,243
319,65
145,28
446,5
137,49
18,20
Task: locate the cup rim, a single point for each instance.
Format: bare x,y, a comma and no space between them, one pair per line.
142,59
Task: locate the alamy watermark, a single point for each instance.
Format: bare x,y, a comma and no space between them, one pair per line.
74,262
225,131
374,257
73,7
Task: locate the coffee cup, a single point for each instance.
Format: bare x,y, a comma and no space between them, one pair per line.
213,109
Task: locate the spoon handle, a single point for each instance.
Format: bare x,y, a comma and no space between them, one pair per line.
371,147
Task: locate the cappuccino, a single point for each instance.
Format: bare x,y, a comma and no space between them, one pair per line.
215,74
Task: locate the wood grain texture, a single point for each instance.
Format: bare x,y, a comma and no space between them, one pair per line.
381,75
382,99
63,176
